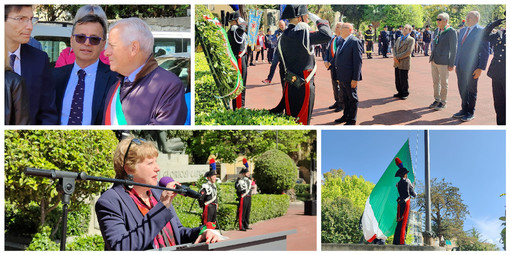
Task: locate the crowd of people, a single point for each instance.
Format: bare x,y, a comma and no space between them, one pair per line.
465,50
89,85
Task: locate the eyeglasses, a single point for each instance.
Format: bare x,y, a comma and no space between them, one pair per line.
93,40
25,19
438,19
134,140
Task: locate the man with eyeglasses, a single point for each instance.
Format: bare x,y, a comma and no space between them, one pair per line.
32,64
81,87
442,59
145,94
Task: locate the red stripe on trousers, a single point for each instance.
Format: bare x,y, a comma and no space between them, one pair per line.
404,222
239,99
241,213
372,239
205,214
303,113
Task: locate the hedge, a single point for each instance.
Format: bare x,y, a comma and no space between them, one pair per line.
275,172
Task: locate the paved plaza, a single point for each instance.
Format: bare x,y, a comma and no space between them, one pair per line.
377,105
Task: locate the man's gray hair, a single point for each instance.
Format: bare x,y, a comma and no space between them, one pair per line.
90,9
444,15
476,13
408,27
135,29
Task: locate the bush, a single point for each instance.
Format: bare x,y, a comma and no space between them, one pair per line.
302,188
243,116
43,242
263,207
205,87
340,221
275,172
87,243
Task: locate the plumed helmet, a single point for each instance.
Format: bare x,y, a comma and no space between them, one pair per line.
293,11
401,169
244,170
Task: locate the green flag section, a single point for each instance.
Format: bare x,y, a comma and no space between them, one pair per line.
380,216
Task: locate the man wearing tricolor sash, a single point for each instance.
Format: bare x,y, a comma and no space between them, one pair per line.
238,43
145,94
329,58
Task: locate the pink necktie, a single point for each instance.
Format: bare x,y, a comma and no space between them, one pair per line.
465,35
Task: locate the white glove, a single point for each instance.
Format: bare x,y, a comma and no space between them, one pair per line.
313,17
241,20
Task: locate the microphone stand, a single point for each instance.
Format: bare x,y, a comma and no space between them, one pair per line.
66,186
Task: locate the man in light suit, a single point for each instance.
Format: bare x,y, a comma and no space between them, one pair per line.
442,59
348,72
402,50
471,59
97,76
32,64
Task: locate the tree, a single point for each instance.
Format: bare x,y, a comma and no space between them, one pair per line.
448,210
472,241
343,199
352,13
88,151
396,15
275,172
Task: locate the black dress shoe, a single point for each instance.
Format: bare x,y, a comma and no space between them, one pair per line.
396,95
341,120
350,122
249,228
242,229
338,109
333,106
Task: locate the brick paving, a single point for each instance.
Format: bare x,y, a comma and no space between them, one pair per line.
304,240
377,105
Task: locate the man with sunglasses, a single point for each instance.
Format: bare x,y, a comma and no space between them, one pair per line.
145,94
442,59
32,64
81,87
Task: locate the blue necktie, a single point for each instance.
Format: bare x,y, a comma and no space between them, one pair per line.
76,114
11,61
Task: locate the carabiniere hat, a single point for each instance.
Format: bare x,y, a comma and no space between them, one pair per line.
244,170
401,169
234,16
293,11
209,173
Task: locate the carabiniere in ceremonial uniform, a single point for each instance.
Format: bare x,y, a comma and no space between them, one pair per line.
243,190
238,43
209,200
497,69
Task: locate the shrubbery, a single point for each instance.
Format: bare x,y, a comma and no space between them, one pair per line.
243,116
275,172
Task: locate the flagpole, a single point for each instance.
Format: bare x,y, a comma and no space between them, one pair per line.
428,228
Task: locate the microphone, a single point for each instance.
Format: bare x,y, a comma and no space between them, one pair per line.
181,189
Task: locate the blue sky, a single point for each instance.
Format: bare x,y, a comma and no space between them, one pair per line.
472,160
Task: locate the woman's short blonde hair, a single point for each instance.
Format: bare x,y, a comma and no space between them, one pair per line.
137,153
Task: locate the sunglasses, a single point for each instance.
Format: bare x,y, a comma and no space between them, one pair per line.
93,40
438,19
136,141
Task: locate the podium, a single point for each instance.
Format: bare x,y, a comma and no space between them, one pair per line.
268,242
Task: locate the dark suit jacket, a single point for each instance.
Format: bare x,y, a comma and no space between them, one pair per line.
125,228
35,69
105,78
348,61
444,52
474,52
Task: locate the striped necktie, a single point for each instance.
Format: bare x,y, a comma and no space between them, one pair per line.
76,114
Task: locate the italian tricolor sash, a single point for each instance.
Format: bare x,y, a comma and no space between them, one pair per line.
114,114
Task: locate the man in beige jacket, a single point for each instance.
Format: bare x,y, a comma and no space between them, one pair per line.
402,61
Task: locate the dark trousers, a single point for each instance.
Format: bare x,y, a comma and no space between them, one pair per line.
402,218
402,82
499,94
299,101
274,63
337,92
385,48
270,53
468,90
350,96
261,52
209,214
238,102
370,48
243,212
250,55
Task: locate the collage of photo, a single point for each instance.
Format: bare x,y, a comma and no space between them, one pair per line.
255,127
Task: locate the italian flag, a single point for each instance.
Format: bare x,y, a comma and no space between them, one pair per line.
379,217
